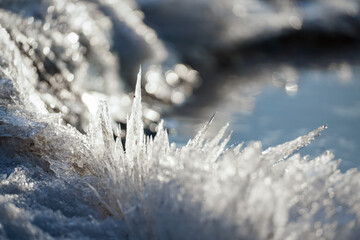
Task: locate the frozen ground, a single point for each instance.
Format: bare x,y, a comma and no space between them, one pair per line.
63,176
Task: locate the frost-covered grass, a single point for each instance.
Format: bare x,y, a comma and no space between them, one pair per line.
58,183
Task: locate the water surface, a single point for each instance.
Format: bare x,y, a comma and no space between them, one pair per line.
276,101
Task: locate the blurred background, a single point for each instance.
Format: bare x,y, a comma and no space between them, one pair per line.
273,69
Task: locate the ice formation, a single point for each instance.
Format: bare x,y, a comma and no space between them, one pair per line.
57,183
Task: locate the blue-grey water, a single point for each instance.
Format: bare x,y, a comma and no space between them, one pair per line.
284,103
322,98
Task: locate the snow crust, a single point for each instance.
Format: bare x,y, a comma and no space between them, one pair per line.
57,183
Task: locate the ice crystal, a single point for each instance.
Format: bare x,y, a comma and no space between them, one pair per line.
206,191
58,183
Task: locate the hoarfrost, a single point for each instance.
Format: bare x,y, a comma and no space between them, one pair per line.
206,191
58,183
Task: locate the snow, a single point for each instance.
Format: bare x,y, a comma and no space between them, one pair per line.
59,183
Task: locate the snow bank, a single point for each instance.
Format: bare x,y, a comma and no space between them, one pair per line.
58,183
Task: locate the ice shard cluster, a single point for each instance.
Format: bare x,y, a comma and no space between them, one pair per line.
57,182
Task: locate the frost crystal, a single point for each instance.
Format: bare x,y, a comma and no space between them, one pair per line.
206,191
58,183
